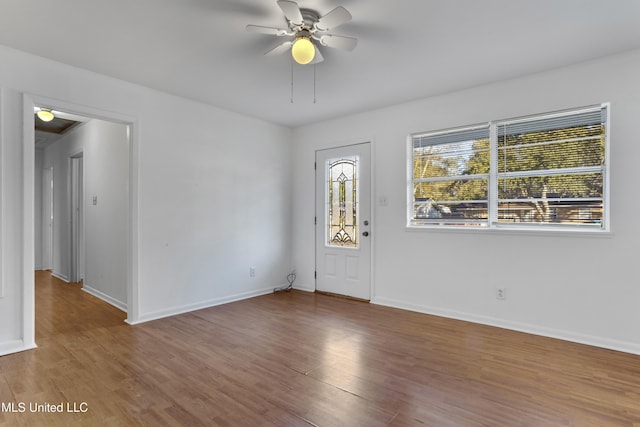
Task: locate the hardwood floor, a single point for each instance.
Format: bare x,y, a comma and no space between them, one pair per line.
300,359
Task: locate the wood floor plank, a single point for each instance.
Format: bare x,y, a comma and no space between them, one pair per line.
301,359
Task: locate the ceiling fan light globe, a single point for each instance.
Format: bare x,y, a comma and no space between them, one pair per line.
303,51
45,115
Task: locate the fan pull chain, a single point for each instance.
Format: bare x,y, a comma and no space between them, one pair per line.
314,83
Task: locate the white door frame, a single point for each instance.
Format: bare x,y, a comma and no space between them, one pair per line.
47,217
29,101
76,248
372,225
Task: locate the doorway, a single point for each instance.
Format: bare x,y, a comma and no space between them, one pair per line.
343,221
90,238
127,250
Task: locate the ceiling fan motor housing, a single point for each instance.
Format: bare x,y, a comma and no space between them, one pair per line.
310,17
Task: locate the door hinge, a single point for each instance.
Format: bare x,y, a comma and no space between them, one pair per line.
315,220
315,165
315,274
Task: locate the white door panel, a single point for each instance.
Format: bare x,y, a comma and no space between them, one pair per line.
343,221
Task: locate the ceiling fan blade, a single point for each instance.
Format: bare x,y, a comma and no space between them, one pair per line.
267,30
338,42
334,18
291,11
281,48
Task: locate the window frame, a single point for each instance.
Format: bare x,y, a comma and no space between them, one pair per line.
492,197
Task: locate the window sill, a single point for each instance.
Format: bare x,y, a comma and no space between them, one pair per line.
521,231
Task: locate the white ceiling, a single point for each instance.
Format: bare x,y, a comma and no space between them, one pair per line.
408,49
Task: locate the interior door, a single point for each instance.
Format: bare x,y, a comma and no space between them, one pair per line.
343,221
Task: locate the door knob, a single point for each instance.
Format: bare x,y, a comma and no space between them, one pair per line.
365,233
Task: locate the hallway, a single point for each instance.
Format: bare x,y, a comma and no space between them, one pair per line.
62,308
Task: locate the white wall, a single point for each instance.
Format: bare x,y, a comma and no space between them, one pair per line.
217,200
577,287
105,149
213,187
11,318
106,176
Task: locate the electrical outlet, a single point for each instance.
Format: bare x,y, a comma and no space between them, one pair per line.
501,294
252,272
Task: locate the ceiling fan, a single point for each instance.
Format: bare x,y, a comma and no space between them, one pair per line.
308,28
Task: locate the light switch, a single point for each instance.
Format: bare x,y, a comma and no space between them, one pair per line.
95,200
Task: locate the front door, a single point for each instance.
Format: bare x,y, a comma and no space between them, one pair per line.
343,221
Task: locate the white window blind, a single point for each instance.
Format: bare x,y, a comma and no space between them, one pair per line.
551,170
544,171
450,177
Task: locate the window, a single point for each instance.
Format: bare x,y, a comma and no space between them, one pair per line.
547,171
451,177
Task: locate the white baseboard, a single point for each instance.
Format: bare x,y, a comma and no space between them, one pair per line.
603,342
60,276
15,346
104,297
173,311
